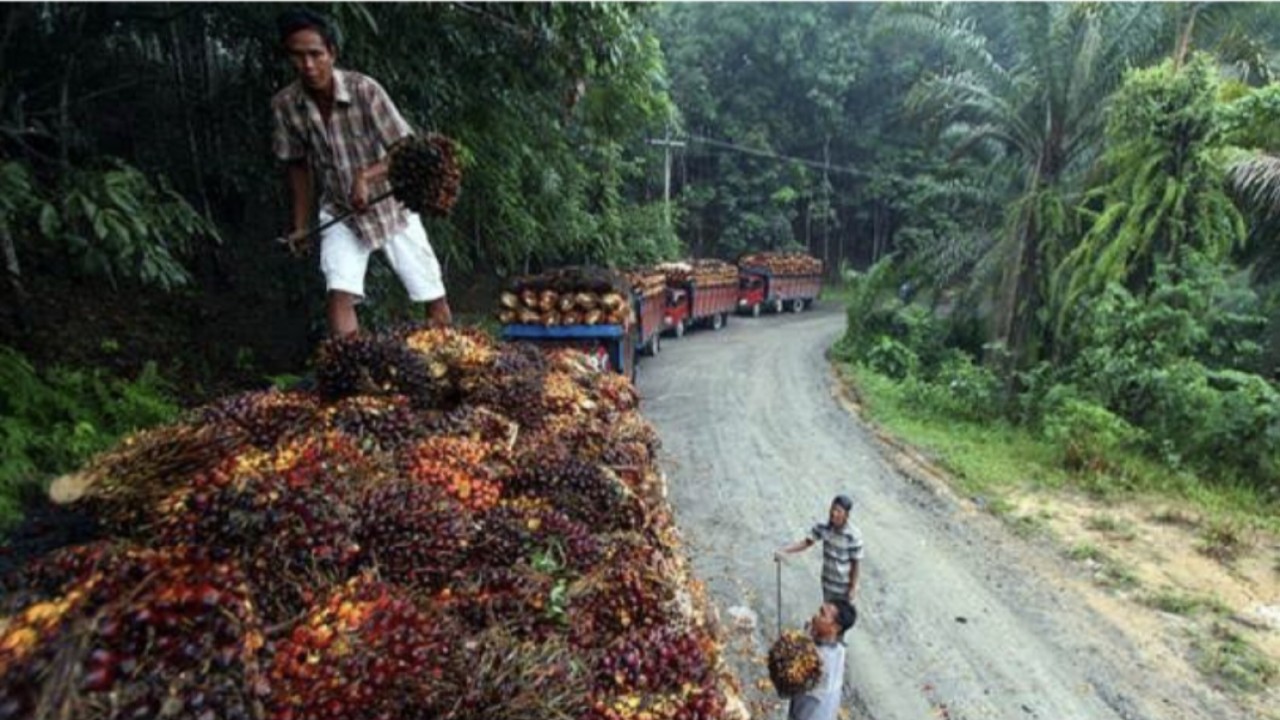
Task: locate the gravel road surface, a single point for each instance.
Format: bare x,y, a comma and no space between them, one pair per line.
959,619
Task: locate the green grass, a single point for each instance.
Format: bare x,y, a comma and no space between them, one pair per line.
1111,526
993,459
1108,571
985,459
1085,551
54,419
1224,654
1224,540
1178,603
1114,574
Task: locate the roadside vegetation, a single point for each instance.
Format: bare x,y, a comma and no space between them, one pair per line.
1106,344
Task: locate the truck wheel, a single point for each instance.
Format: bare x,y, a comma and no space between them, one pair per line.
680,329
755,310
797,305
717,321
777,305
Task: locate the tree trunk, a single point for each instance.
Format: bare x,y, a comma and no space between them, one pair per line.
1018,302
193,147
13,273
1184,38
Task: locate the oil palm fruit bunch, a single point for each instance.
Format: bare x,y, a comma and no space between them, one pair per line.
144,633
782,263
705,272
590,494
457,466
709,272
456,359
267,416
480,424
364,651
588,295
646,281
517,396
425,174
288,538
516,598
506,677
661,658
616,599
387,422
794,664
351,365
524,528
413,532
125,486
375,364
303,460
562,393
690,702
615,392
633,428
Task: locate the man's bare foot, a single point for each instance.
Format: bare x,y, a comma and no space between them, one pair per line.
439,314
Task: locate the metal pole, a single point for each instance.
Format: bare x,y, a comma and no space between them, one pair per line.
666,178
779,566
667,143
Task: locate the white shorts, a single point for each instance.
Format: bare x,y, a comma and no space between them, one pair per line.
344,260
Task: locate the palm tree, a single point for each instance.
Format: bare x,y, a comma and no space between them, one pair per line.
1034,92
1165,196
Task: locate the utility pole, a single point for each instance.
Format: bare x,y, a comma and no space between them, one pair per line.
667,143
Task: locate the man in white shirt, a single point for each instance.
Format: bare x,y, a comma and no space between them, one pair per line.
827,629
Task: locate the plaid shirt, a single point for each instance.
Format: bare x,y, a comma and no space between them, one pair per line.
839,549
363,124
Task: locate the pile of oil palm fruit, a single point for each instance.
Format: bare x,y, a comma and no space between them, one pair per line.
444,527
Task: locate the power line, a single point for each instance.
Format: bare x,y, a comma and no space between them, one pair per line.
778,156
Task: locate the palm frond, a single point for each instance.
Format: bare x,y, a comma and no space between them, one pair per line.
1257,180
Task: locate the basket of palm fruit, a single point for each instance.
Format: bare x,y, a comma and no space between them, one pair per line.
794,665
445,527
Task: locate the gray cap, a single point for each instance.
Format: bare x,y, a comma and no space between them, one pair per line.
844,502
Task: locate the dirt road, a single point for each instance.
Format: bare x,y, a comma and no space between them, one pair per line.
960,620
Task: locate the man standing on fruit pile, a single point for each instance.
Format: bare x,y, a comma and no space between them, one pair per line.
335,126
826,628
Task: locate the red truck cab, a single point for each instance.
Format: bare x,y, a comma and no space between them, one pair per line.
676,316
751,293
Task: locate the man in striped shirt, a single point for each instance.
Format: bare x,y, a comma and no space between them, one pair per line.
841,551
333,129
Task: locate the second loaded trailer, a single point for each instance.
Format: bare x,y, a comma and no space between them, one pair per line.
690,304
761,289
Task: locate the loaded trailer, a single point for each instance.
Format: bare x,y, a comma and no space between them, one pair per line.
761,289
611,347
690,304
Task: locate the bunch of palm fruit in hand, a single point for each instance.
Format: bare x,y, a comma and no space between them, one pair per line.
425,174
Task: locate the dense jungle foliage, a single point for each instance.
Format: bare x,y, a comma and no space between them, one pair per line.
1059,216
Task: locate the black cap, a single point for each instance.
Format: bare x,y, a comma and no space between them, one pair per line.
844,502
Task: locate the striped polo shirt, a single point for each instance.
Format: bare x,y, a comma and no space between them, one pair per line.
839,549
